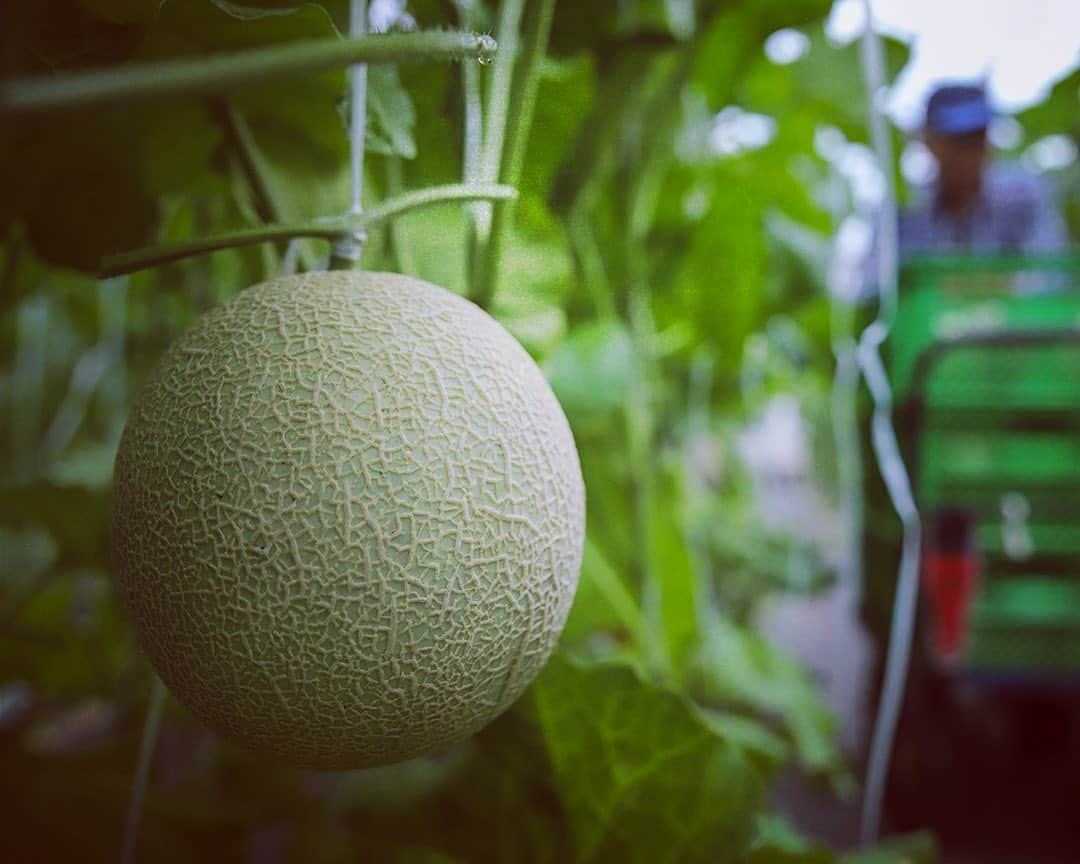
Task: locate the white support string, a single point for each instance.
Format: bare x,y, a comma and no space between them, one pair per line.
350,248
147,746
358,105
886,447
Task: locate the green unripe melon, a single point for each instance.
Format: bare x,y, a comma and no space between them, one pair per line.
348,519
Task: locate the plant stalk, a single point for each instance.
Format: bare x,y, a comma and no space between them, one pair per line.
260,177
518,126
393,207
400,246
498,105
155,256
212,74
496,113
639,439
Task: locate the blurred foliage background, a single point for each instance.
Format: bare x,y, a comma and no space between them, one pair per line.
666,264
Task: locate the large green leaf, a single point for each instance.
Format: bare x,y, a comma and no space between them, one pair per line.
1058,113
777,842
588,371
29,552
565,94
642,777
824,85
604,608
391,116
74,517
737,669
677,589
716,288
82,202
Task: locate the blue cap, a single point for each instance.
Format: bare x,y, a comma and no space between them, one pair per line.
956,109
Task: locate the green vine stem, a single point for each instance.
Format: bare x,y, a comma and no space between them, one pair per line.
211,74
697,493
142,770
326,229
498,105
401,248
640,432
641,186
260,177
488,161
518,126
394,207
254,163
472,143
154,256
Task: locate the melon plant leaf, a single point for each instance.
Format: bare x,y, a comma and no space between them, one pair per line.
75,518
589,369
778,842
74,635
580,26
641,776
818,83
1058,113
491,798
676,577
308,105
61,193
767,750
565,95
603,605
166,163
738,669
391,115
714,288
250,12
28,553
305,181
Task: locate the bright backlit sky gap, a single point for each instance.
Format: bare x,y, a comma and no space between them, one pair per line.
1021,46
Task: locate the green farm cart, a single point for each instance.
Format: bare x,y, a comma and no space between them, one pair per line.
984,361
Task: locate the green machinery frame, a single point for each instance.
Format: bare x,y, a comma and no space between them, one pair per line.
984,359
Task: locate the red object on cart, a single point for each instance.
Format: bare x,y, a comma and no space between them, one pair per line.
950,574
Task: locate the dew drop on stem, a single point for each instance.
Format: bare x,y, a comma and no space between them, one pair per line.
486,47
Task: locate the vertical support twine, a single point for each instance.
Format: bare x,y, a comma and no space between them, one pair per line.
887,448
347,249
142,770
472,145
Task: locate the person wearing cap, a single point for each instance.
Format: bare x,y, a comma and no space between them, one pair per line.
975,206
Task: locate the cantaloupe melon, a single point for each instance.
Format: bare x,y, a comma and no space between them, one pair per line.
348,519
